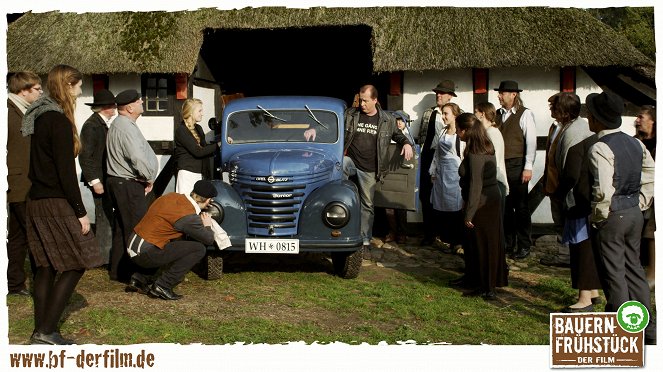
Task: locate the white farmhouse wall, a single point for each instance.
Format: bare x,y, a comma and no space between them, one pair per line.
207,96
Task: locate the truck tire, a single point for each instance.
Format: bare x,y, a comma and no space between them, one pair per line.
347,264
213,266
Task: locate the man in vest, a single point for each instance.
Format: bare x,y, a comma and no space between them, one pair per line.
155,242
430,127
516,122
623,185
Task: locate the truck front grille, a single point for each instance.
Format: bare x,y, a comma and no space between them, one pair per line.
273,209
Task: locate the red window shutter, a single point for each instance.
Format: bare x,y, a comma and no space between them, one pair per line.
567,79
99,82
395,83
480,79
181,86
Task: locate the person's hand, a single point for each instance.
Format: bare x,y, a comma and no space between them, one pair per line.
98,188
230,140
85,224
469,224
309,134
148,188
526,176
407,151
206,218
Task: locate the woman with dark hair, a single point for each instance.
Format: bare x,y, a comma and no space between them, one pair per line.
483,216
58,227
645,126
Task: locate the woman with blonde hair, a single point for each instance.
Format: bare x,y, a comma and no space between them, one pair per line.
58,227
192,153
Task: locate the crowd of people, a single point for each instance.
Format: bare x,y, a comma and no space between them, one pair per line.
474,196
599,181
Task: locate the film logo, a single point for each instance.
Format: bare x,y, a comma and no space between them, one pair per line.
599,339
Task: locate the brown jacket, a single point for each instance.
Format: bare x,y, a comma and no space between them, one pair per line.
18,156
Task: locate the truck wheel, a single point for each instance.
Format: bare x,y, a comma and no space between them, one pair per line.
213,266
347,264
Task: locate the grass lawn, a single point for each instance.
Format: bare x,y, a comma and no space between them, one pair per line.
297,299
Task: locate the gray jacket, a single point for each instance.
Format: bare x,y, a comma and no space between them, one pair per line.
387,131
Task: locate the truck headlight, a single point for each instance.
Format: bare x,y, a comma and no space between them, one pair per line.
216,211
335,215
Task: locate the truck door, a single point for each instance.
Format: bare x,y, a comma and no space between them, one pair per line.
400,188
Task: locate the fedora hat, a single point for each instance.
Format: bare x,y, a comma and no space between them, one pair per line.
446,86
607,108
508,86
102,97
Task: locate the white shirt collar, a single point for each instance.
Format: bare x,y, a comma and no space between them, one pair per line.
605,132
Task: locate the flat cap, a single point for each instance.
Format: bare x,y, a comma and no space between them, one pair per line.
204,188
126,97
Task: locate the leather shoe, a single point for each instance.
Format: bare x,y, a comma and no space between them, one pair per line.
490,295
138,283
163,293
21,292
54,338
596,300
521,254
586,309
554,261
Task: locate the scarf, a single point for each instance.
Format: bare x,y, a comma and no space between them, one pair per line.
19,101
38,107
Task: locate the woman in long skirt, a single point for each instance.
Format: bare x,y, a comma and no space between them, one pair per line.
58,228
482,215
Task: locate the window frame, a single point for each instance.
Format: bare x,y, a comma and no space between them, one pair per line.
168,102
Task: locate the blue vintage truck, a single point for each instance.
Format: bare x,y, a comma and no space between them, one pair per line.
282,190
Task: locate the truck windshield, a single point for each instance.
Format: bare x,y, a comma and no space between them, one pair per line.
291,125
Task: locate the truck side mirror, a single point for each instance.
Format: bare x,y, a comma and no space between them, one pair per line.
213,124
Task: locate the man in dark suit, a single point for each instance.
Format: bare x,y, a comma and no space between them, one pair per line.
92,160
24,88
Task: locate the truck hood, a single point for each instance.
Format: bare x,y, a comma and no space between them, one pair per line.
280,162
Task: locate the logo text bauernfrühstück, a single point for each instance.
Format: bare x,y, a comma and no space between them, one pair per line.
593,339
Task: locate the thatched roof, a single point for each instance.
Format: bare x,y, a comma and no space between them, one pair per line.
403,38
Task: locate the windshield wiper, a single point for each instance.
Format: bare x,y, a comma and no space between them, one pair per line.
269,114
314,118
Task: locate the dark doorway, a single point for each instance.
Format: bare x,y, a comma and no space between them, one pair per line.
327,61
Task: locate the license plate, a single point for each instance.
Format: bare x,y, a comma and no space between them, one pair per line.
252,245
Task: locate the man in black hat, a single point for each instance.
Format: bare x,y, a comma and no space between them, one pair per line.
516,122
92,160
132,169
430,127
623,185
155,242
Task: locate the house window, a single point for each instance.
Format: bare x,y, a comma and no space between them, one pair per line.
158,93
